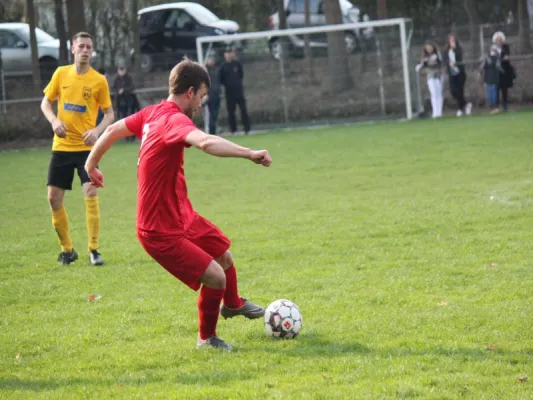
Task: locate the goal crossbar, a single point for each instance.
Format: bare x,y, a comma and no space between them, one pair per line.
401,22
296,31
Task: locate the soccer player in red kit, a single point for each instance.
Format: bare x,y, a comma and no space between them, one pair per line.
187,245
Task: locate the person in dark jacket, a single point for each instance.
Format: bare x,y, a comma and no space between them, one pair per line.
213,95
231,76
123,88
453,59
491,68
507,74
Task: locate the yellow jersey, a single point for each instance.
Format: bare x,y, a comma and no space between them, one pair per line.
79,97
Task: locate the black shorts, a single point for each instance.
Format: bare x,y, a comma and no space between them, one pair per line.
62,166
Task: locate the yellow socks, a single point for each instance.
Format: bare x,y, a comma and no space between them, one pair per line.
60,223
92,212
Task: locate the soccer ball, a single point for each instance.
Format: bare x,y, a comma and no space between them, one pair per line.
283,319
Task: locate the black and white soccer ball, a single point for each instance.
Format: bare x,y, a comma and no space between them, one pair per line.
283,319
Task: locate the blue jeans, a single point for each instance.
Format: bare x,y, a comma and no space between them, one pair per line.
492,95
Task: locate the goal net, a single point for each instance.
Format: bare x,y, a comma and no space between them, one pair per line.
321,74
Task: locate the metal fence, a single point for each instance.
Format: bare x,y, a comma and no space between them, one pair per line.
376,89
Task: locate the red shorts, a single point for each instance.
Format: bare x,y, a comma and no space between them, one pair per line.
187,255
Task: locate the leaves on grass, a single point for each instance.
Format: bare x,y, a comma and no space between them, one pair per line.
94,297
443,303
491,347
493,265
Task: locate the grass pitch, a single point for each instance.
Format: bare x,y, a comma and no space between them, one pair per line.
408,248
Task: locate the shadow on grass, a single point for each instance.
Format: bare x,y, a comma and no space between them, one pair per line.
207,378
312,345
41,385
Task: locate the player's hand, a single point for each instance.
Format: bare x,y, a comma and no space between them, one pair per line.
96,176
59,128
261,157
90,137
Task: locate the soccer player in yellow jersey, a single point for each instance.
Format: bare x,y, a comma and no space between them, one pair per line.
80,92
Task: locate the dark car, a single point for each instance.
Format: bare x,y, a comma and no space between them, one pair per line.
169,31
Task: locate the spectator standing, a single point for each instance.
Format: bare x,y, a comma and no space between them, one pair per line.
231,77
123,88
431,62
213,95
491,69
453,59
507,73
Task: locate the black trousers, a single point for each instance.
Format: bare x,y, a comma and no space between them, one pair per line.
231,102
503,94
457,89
213,105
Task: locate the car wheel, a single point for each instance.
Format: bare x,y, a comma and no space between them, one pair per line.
276,50
147,63
350,41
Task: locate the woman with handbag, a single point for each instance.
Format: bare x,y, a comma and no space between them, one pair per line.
507,74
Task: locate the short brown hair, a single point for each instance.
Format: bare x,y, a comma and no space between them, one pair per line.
185,75
84,35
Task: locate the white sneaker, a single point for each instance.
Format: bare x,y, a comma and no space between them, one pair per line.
459,113
468,109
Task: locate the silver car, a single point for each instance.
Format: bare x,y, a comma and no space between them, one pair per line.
16,51
295,11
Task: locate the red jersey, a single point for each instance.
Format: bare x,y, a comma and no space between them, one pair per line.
162,201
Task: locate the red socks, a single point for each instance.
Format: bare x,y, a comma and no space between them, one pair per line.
231,297
208,311
209,303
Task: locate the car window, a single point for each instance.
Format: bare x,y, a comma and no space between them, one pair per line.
8,40
184,20
296,6
152,21
40,35
315,6
172,18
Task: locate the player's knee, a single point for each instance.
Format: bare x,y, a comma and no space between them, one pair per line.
226,260
55,200
214,276
89,190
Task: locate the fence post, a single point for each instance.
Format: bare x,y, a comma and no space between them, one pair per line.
3,87
481,41
380,77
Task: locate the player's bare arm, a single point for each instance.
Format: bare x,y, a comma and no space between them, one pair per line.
220,147
59,127
91,136
113,132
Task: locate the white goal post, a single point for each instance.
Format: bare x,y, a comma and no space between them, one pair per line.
204,45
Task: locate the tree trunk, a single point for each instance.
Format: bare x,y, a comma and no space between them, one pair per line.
76,17
384,37
307,46
474,21
523,23
61,32
136,42
36,73
338,78
283,40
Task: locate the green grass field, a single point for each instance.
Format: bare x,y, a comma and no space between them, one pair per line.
408,248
